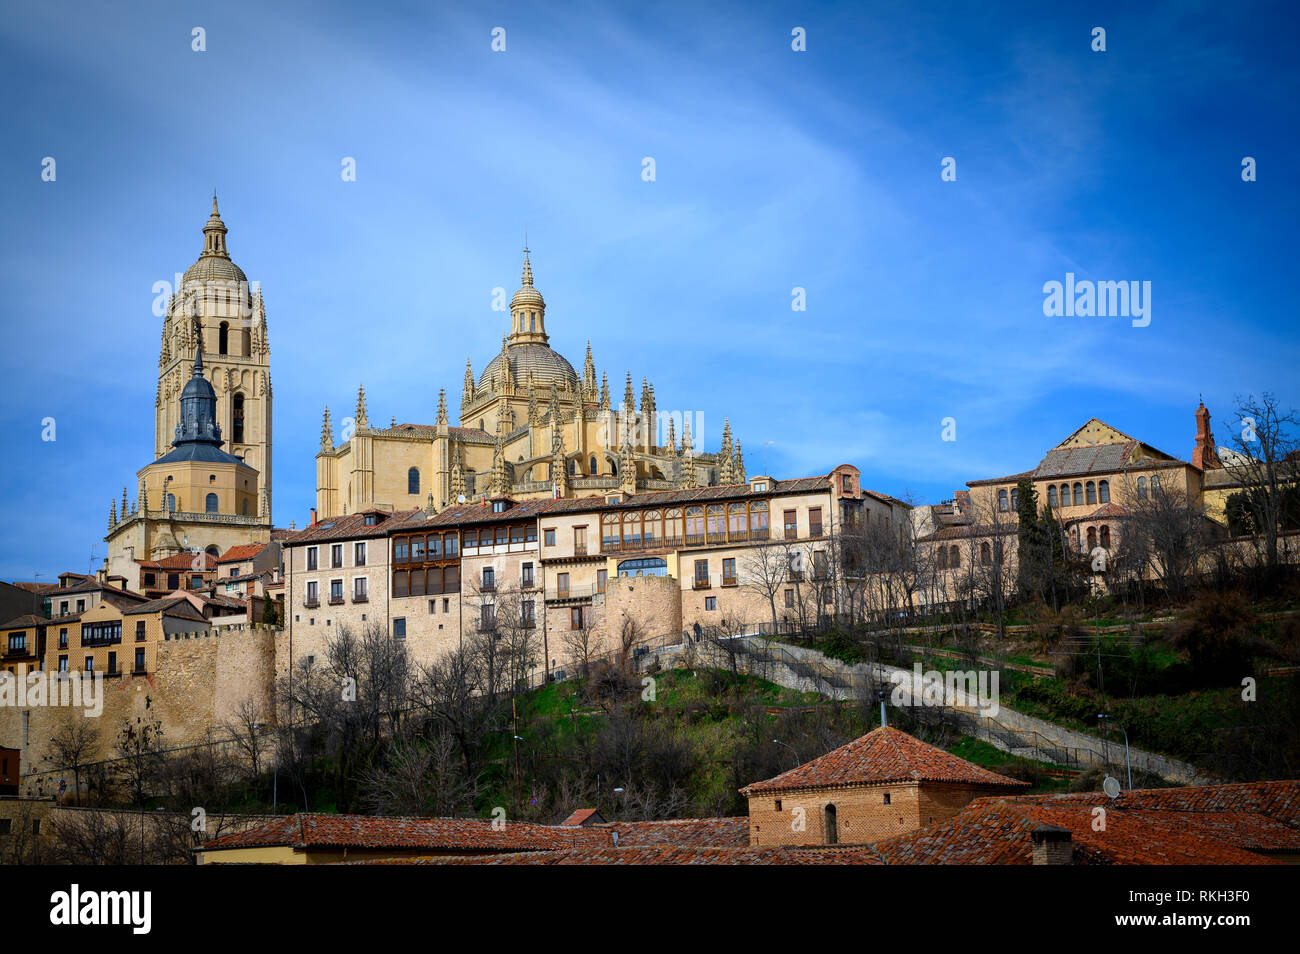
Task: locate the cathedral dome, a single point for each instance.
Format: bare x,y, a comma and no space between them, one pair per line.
214,264
547,367
212,268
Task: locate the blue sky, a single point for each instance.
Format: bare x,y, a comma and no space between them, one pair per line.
775,169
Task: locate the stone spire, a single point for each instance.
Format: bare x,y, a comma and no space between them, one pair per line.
626,467
125,506
738,466
651,416
672,438
589,376
429,509
690,479
467,396
629,405
504,377
457,477
112,514
527,310
360,421
604,391
534,409
726,474
559,468
500,484
442,406
327,432
688,445
214,234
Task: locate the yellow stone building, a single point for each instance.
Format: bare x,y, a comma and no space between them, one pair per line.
530,426
209,486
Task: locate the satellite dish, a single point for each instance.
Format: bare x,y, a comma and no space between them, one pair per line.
1111,787
460,498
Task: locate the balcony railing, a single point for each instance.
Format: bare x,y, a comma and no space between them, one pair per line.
701,584
571,593
311,602
360,598
579,549
488,587
690,540
729,581
336,601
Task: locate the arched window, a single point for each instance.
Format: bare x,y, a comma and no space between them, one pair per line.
223,339
210,503
413,480
171,503
1002,500
986,554
1065,495
237,419
1103,491
1142,488
1105,536
1092,492
1015,498
943,558
954,556
1155,483
1078,493
592,464
573,468
1092,539
213,551
1051,497
832,826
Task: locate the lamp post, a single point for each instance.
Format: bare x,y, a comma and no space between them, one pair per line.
1128,765
798,761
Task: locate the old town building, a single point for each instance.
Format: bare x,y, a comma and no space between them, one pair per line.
884,784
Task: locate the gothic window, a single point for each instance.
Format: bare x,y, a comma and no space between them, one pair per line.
171,503
210,503
592,464
1092,492
223,339
413,480
573,468
237,419
1051,497
1103,490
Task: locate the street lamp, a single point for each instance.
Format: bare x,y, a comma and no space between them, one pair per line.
798,761
1127,764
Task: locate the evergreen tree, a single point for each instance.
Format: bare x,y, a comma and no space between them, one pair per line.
1028,537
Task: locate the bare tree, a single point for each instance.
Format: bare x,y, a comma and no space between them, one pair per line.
73,745
248,732
420,778
1170,530
1267,465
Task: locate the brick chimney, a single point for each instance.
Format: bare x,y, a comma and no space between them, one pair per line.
1206,455
313,517
1052,845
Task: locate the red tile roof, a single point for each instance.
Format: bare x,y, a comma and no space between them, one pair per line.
1206,824
180,561
581,816
882,755
684,832
245,551
349,527
664,855
327,832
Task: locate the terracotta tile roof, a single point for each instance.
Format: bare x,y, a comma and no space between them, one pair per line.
664,855
1206,824
26,622
581,816
245,551
327,832
179,561
349,527
34,587
683,832
882,755
177,606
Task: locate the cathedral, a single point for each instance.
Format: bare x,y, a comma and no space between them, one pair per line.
209,485
530,426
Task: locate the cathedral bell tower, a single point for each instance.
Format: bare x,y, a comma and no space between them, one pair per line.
214,307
